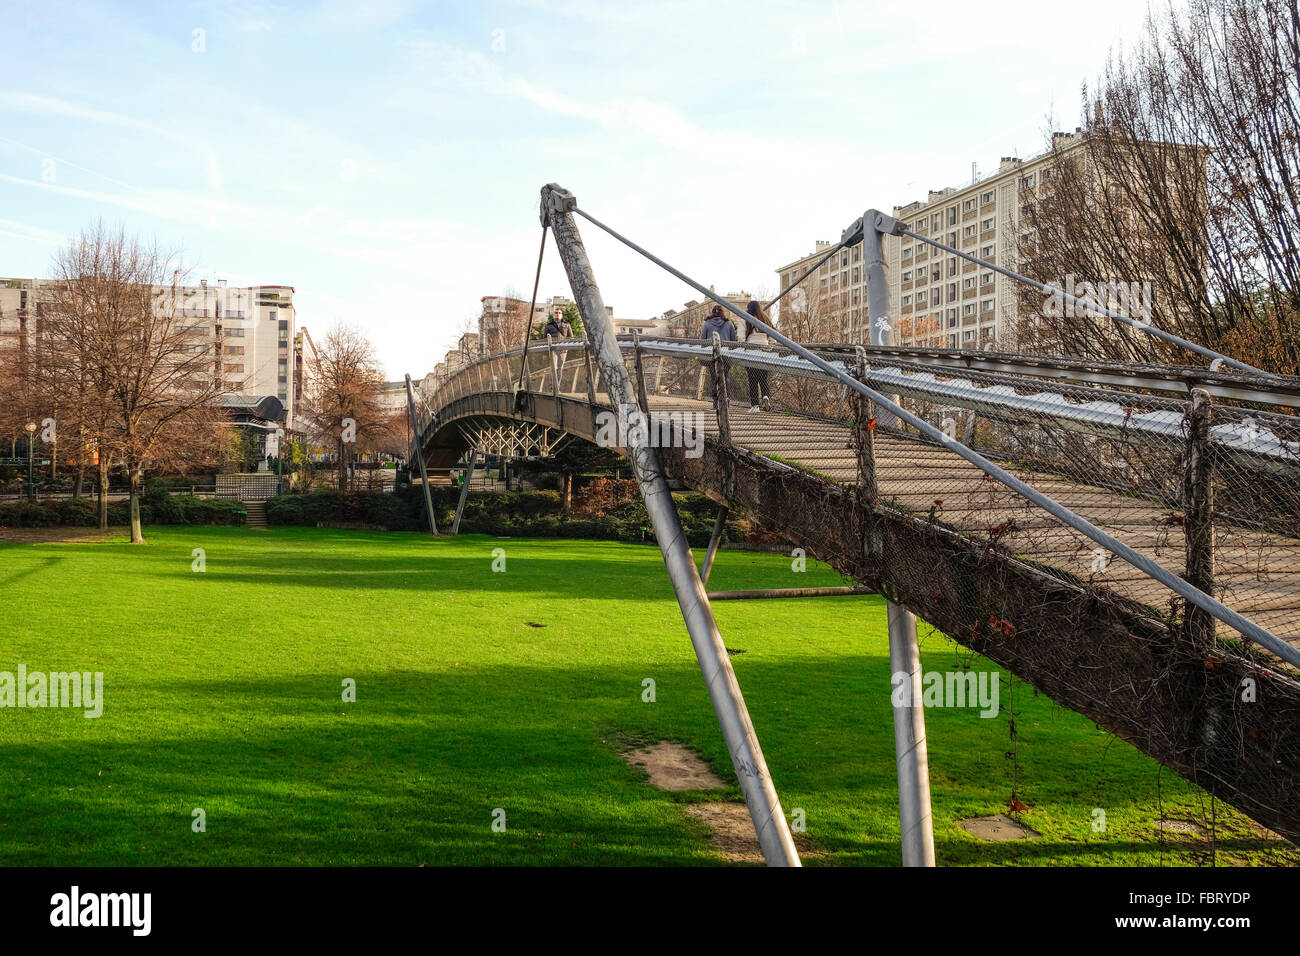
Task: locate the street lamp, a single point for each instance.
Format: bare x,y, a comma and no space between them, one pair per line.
31,438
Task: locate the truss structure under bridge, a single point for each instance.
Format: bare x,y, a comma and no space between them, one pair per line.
513,439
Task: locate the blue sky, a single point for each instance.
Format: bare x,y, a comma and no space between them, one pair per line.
385,158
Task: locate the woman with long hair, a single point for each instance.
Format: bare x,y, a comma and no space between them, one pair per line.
758,393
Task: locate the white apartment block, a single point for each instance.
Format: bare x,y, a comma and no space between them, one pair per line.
252,330
936,299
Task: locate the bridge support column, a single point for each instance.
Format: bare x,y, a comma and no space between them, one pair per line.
873,266
910,752
742,742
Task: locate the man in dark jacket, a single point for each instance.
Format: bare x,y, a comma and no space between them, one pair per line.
554,328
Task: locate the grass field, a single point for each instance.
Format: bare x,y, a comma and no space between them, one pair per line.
223,691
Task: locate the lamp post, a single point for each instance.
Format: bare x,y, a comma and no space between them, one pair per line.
31,484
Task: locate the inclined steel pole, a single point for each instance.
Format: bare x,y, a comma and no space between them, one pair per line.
914,819
715,664
419,456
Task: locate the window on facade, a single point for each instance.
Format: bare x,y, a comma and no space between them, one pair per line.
234,366
986,305
988,196
987,224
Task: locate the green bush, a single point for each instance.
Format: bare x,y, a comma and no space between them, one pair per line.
154,509
78,512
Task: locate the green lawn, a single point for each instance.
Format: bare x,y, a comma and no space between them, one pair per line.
223,692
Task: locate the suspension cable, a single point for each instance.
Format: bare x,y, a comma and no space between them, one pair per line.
1094,307
1140,561
528,333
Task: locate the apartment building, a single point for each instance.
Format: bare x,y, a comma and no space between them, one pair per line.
252,330
936,299
304,361
686,322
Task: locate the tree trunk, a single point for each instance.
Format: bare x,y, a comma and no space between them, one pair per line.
568,493
78,480
137,535
103,493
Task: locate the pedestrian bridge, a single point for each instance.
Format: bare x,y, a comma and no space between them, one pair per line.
1126,538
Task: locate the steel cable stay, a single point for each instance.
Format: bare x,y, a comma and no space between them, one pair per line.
528,332
1175,583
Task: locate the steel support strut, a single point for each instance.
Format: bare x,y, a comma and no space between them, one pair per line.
728,703
915,823
419,456
471,461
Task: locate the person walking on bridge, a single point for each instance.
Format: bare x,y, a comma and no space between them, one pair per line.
719,323
758,392
555,326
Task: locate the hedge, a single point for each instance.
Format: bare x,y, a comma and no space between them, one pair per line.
83,512
504,514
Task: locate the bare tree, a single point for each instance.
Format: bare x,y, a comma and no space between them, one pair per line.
122,365
1187,184
504,328
343,409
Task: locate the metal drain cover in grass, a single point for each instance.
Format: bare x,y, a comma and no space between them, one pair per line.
998,828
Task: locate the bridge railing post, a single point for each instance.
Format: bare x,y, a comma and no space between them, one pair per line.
640,375
591,375
555,367
720,399
864,427
1198,508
